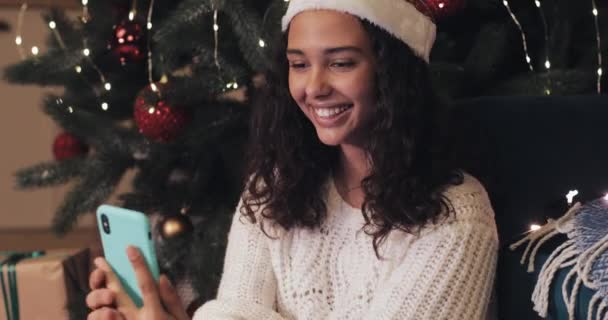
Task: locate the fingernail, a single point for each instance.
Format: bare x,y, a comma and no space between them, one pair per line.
132,253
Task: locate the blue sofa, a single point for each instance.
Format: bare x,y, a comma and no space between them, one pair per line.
529,152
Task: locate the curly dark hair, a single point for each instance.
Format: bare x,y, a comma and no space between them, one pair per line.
289,166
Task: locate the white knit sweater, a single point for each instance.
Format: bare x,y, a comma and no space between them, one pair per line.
446,272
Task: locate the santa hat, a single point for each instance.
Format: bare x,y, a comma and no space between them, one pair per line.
406,20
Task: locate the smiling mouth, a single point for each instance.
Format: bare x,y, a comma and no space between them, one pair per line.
331,112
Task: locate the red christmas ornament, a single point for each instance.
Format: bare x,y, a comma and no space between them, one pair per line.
129,42
66,146
444,8
156,119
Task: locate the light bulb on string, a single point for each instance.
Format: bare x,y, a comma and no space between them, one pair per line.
149,49
18,38
606,197
108,86
262,43
521,31
85,11
86,52
534,227
35,50
105,106
52,24
546,33
78,69
70,109
598,40
570,196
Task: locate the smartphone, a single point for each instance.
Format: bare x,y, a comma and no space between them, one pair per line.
119,228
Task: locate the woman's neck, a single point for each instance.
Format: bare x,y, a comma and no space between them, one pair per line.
352,168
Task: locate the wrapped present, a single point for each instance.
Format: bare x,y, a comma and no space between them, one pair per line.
43,285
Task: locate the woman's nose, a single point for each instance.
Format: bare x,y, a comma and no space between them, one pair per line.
317,85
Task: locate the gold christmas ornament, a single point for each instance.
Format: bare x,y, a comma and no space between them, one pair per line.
174,226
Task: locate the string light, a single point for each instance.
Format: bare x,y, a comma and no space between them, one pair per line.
599,46
546,33
18,38
232,85
150,67
534,227
262,43
151,110
70,109
108,86
35,50
606,196
216,27
133,10
86,52
52,24
85,11
570,196
521,31
78,69
104,106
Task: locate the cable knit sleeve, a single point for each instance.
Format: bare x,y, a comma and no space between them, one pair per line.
448,271
248,286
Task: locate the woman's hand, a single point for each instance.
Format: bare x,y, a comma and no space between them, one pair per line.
109,300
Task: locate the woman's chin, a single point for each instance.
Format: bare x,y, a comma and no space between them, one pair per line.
329,140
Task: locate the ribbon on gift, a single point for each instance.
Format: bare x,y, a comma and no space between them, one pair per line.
10,294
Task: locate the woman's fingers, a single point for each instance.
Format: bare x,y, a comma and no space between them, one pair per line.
145,280
170,299
113,283
105,314
100,298
97,279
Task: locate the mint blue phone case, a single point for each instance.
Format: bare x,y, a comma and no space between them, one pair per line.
120,228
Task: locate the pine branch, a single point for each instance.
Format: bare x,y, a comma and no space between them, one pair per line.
96,130
50,69
247,28
102,177
50,173
189,15
4,26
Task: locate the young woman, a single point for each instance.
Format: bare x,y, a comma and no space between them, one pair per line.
353,209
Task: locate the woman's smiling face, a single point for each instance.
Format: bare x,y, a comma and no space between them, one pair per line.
332,74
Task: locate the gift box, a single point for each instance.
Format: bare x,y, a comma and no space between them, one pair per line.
43,285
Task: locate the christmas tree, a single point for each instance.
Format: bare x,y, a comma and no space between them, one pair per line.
159,87
163,87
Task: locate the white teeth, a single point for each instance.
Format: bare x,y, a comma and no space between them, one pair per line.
330,112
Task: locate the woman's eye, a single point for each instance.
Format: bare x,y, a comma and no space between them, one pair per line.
297,65
343,64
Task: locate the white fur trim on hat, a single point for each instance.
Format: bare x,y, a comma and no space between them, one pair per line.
398,17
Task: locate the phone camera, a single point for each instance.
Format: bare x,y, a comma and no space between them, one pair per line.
105,224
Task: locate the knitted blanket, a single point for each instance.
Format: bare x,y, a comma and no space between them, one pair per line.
586,251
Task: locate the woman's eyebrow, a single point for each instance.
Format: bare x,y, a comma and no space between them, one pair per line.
328,50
